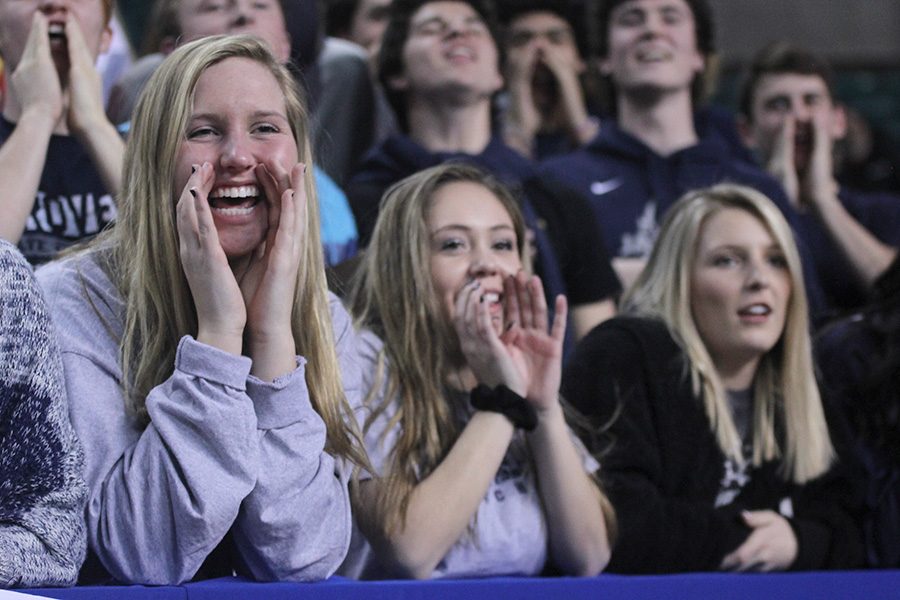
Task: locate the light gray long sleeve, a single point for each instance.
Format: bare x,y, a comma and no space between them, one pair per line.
223,449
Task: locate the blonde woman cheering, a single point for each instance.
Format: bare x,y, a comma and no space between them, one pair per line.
203,357
476,472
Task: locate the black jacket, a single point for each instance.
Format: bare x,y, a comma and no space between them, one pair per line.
662,466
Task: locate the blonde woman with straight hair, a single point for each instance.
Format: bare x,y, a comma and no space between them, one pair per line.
208,370
719,454
476,472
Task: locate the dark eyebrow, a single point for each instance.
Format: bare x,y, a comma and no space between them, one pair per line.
429,20
629,10
775,98
461,227
259,114
440,19
450,226
774,247
672,9
262,114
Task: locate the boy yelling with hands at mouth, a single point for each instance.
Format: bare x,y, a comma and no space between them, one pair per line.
60,158
790,117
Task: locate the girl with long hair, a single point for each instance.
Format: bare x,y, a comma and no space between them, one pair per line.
475,471
203,355
717,453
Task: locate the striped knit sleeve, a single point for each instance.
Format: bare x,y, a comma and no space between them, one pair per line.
42,492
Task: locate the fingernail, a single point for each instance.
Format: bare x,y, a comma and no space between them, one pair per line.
193,192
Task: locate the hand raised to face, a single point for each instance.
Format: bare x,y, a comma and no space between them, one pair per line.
35,83
217,298
526,356
86,110
269,282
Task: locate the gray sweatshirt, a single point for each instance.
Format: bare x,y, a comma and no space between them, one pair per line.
508,535
42,492
224,451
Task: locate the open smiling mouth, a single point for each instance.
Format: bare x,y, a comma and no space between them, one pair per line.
755,311
57,34
653,55
494,303
234,201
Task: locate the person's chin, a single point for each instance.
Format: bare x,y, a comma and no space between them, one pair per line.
240,244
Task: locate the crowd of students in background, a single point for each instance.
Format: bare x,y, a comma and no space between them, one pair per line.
434,288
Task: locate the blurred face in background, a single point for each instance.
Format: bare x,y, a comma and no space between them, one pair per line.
552,40
652,45
16,17
450,50
368,24
801,99
262,18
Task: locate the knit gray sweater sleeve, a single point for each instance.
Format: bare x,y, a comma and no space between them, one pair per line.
223,450
42,493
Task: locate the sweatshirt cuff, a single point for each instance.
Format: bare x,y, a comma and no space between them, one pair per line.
283,401
812,545
210,363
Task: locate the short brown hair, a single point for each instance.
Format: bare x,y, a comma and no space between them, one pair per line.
599,15
390,57
779,58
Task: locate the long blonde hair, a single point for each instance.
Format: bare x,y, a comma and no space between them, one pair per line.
145,265
393,296
785,390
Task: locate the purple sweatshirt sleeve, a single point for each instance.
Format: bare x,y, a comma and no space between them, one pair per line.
162,497
223,450
295,524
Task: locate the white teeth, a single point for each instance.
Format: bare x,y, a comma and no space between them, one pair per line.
243,191
757,309
653,54
492,297
234,212
56,29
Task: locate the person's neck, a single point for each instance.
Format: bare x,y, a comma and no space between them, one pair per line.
12,112
450,128
737,375
664,122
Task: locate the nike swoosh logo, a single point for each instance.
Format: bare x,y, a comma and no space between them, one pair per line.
598,188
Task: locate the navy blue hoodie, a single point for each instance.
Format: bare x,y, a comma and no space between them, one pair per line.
571,256
631,188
